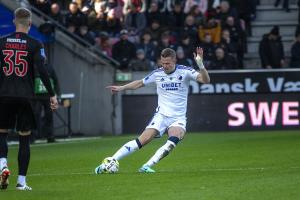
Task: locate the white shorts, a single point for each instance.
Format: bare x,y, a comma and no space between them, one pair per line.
162,123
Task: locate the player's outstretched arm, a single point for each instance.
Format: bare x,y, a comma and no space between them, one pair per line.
130,86
203,77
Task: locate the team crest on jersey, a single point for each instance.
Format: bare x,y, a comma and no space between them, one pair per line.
180,78
43,53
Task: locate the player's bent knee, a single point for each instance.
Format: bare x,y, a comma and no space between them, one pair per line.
24,133
3,130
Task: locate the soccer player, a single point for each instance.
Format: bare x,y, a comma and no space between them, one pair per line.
20,57
172,82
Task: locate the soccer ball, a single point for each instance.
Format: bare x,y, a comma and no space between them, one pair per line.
110,165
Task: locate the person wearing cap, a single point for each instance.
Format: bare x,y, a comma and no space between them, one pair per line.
124,50
271,50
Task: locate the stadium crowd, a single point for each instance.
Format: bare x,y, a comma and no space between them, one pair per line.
134,31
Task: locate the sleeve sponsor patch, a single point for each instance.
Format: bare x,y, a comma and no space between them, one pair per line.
42,52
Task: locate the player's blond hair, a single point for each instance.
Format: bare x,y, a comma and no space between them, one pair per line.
23,17
168,52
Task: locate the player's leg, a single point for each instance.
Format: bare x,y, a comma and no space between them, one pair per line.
176,132
131,146
7,121
154,127
3,159
24,126
23,159
136,144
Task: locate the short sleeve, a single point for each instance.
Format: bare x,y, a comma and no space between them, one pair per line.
150,78
192,74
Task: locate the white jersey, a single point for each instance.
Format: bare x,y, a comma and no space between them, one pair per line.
172,89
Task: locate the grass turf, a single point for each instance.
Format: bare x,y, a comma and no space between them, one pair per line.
219,166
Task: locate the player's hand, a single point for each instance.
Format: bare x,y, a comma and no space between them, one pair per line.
198,56
114,89
53,102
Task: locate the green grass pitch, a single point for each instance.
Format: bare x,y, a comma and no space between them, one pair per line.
215,166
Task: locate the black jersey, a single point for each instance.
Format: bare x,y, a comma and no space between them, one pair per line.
21,57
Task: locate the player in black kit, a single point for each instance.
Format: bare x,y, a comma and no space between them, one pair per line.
20,57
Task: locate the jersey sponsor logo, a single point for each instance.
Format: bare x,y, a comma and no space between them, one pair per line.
16,40
171,86
43,53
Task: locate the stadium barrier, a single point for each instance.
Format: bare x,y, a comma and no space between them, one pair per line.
234,100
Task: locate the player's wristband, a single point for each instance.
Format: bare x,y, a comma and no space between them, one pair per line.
199,62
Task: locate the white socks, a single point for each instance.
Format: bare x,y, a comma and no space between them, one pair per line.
3,163
126,149
22,180
161,153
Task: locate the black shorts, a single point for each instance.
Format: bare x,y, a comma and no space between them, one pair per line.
16,114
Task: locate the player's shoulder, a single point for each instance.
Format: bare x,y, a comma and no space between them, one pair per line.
158,70
184,68
4,37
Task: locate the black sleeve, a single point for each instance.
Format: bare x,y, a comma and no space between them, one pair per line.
56,83
40,61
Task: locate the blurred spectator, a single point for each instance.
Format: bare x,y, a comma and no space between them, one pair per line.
208,49
224,11
188,6
295,52
271,50
133,36
114,9
147,45
197,14
74,17
104,43
97,17
213,28
227,44
154,14
134,14
247,12
190,28
181,58
55,13
222,61
285,5
123,51
140,63
175,19
187,45
155,31
238,37
85,34
163,43
113,23
42,5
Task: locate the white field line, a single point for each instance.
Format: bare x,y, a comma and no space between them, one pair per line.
39,143
192,171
